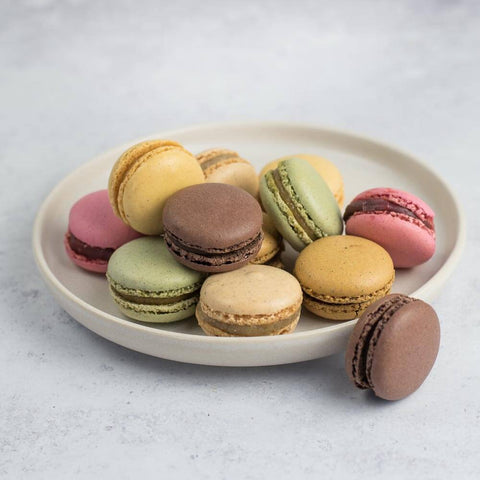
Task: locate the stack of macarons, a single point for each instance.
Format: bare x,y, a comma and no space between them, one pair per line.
174,232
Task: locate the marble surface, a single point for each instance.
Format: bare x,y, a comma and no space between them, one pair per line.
81,76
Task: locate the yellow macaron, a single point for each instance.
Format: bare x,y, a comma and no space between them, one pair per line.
342,275
324,167
272,245
145,176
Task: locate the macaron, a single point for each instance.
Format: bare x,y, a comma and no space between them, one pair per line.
145,176
328,171
213,227
399,221
94,232
148,285
299,202
255,300
272,245
393,346
342,275
221,165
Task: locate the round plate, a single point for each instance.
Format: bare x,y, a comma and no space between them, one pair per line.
364,164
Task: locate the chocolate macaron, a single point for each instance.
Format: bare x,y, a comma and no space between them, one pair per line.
213,227
393,346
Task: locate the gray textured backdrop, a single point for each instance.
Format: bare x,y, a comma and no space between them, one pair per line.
78,77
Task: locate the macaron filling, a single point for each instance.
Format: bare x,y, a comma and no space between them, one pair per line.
170,301
87,251
381,205
246,326
289,204
213,256
363,355
225,158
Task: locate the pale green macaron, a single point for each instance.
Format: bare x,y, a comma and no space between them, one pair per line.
148,285
300,203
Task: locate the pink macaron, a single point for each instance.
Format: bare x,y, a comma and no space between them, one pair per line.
398,221
94,232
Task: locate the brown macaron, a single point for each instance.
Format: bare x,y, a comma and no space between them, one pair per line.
393,346
213,227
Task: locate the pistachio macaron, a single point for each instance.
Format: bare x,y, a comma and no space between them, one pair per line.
148,285
300,203
221,165
329,172
342,275
145,176
255,300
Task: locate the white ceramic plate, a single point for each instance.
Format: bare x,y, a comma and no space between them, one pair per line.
364,164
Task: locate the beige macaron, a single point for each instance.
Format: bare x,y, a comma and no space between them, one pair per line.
324,167
145,176
272,245
221,165
255,300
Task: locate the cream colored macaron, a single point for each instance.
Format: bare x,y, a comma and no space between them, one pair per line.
324,167
272,245
221,165
145,176
255,300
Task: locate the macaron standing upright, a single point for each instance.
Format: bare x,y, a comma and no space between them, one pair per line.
255,300
393,346
213,227
272,245
300,203
148,285
327,170
221,165
399,221
94,232
342,275
145,176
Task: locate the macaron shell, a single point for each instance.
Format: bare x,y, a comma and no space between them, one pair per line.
238,174
272,242
97,266
146,190
408,243
315,196
126,161
252,290
93,222
405,351
328,171
343,266
145,265
282,221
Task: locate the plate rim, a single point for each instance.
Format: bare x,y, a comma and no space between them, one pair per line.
55,284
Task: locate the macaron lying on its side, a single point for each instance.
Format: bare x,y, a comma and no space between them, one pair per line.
328,171
221,165
213,227
148,285
94,232
255,300
393,346
342,275
399,221
145,176
299,202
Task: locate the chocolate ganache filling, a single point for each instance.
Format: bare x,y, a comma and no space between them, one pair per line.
377,204
92,253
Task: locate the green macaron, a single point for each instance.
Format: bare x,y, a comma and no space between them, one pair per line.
300,203
149,285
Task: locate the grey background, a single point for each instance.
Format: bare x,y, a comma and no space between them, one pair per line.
79,77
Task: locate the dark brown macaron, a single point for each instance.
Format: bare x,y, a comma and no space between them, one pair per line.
393,346
213,227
